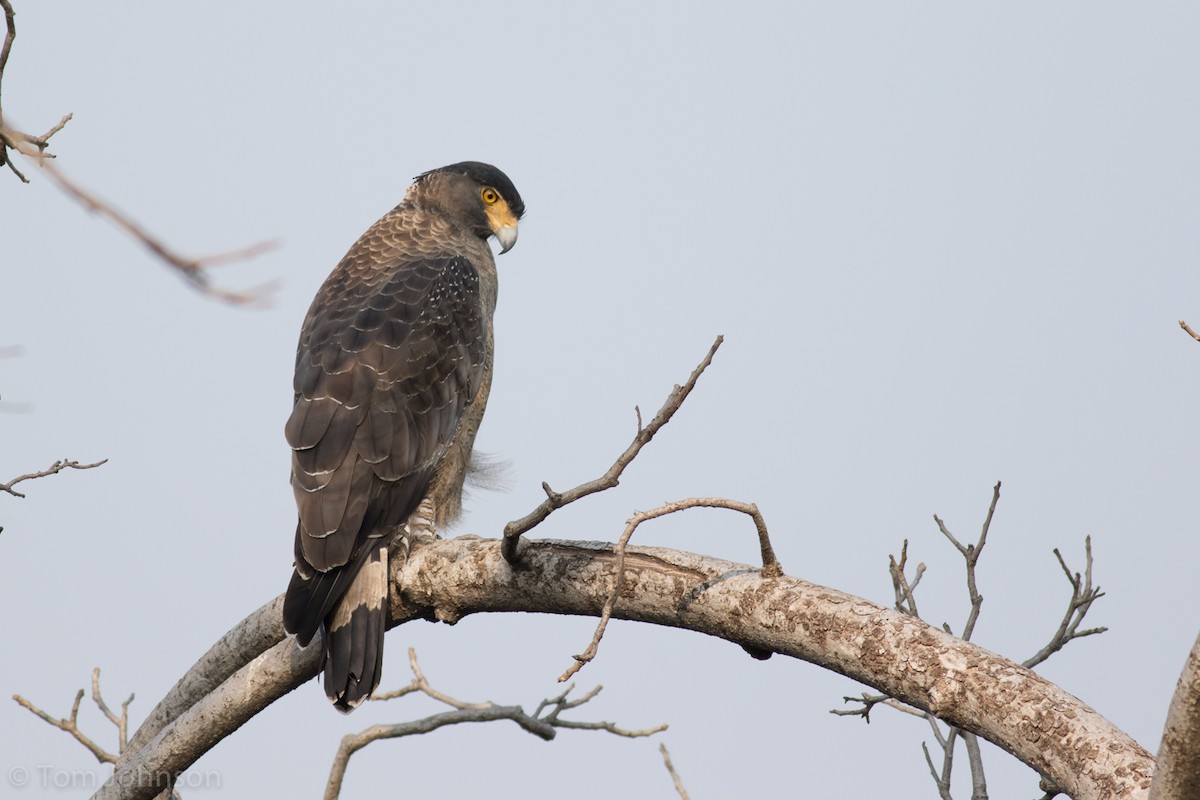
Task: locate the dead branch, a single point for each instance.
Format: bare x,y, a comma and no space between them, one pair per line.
1082,597
868,702
121,722
1177,774
70,724
193,270
35,148
420,684
1083,594
1189,331
10,138
906,601
915,663
543,726
941,779
771,567
970,554
53,469
683,795
10,33
555,500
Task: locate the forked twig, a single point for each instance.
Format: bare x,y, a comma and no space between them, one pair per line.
53,469
70,724
1083,594
542,725
906,601
194,270
555,500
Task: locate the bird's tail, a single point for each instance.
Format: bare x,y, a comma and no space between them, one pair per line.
353,634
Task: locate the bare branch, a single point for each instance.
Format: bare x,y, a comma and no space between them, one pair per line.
555,500
975,761
10,33
420,684
193,270
1083,594
771,567
1177,774
53,469
683,795
944,793
906,601
947,743
869,701
1189,331
449,579
121,722
970,554
560,704
537,724
11,139
71,724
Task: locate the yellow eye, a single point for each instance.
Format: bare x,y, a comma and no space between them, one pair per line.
490,196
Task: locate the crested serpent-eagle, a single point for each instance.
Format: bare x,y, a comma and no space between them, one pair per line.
392,376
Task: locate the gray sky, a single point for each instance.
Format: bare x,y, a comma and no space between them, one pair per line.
946,245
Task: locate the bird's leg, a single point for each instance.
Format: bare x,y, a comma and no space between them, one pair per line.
421,525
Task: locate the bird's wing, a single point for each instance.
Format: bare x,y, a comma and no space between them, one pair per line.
383,375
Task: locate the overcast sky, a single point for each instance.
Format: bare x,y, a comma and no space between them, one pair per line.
947,245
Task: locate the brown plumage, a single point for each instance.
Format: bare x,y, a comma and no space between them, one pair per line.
392,377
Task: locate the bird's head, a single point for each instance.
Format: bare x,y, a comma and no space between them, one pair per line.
476,193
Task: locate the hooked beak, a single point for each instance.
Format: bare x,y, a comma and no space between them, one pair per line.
503,224
506,235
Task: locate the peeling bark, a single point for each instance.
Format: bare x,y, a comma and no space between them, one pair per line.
961,683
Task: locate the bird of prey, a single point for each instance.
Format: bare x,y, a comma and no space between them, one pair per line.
392,376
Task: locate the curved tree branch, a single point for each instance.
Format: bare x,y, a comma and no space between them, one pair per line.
965,685
1178,773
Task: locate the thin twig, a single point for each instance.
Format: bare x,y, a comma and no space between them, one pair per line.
970,554
1190,332
555,500
1083,594
771,567
193,270
541,725
666,754
975,762
121,722
53,469
11,139
869,701
70,725
420,684
10,33
906,601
